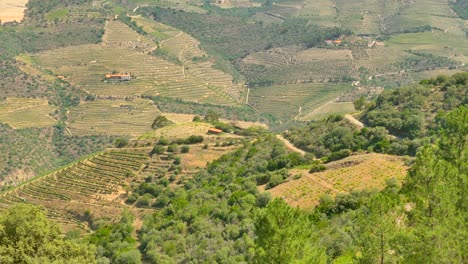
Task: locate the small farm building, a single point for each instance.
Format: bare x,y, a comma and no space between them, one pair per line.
118,76
214,131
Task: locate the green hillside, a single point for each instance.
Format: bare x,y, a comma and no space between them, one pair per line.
233,131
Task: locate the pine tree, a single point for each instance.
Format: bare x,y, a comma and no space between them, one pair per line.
286,235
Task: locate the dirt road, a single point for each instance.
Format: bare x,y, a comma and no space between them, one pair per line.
290,146
353,120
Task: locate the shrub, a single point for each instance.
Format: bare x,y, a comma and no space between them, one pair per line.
317,168
144,200
173,148
120,142
158,150
185,149
263,199
163,141
132,198
337,155
193,139
275,180
161,121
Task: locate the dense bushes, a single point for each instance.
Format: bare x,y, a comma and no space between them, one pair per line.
336,137
409,111
27,236
219,203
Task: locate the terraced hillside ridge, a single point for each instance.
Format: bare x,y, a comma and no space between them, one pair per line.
164,165
93,184
112,117
294,101
358,172
124,50
193,6
195,62
26,112
288,65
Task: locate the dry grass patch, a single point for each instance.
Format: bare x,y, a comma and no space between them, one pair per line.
331,108
178,131
12,10
359,172
26,112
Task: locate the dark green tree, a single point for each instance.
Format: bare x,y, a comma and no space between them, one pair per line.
161,121
286,235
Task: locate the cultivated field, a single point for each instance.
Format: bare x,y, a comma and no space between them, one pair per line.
12,10
288,65
294,101
92,184
123,50
26,112
177,131
187,6
330,108
112,117
365,171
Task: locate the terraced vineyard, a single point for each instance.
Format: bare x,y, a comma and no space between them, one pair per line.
112,117
124,51
26,112
91,184
358,172
294,101
295,65
196,63
120,35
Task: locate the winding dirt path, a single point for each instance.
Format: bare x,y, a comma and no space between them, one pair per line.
290,146
353,120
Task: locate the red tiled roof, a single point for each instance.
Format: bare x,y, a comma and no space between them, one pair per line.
215,130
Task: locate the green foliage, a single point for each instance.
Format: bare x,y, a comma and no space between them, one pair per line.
212,215
317,168
185,149
158,150
173,148
121,142
193,139
163,141
212,117
335,138
284,235
114,242
460,7
161,121
132,24
236,36
360,103
436,187
407,111
26,236
340,154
